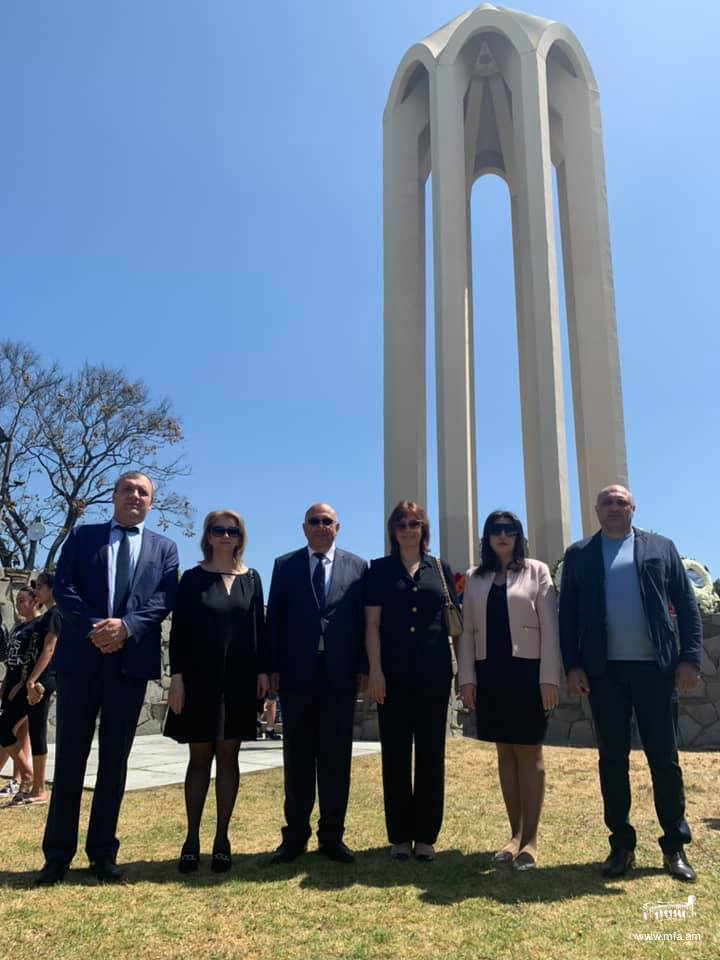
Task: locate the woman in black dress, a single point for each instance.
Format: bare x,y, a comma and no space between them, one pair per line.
509,672
29,685
219,670
410,672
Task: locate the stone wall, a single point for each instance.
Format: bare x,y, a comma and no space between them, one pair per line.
571,723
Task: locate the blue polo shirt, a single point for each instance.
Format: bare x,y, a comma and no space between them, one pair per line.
627,632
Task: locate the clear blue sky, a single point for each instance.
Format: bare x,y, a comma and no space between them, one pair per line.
192,190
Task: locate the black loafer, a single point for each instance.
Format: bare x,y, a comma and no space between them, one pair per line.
286,853
618,863
337,851
677,866
189,860
106,871
221,859
52,872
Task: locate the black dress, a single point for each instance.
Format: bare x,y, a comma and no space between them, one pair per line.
217,643
509,705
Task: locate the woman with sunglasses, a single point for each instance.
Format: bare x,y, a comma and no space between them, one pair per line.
218,672
509,672
410,673
30,683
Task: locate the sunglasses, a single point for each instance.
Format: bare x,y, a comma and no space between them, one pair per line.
218,531
495,529
408,525
321,521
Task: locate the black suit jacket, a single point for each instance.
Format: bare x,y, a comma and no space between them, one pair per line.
662,577
295,622
81,593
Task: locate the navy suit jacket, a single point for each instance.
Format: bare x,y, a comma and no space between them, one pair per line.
81,593
294,621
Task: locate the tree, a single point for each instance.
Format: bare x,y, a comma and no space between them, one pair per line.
66,439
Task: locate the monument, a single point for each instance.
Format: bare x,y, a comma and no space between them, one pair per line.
498,91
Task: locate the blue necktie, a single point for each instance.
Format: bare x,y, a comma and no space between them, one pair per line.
122,572
318,580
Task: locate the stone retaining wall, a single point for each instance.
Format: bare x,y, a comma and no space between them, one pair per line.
571,723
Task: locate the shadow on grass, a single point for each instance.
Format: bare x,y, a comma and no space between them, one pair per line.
712,822
451,878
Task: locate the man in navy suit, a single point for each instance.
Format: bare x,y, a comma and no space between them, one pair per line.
115,584
316,629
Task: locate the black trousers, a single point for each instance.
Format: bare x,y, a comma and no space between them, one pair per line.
317,754
98,686
13,711
413,811
628,685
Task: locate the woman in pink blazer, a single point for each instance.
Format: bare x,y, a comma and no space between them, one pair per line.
509,672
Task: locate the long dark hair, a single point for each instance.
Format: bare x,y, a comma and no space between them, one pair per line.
489,562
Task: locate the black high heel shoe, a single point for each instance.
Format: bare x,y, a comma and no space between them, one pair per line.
221,858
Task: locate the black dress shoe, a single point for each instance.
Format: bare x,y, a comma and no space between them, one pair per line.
618,863
287,852
52,873
677,866
337,851
189,859
106,871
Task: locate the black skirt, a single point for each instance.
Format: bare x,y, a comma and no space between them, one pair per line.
509,707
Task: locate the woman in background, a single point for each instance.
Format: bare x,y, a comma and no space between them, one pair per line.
509,672
219,671
29,685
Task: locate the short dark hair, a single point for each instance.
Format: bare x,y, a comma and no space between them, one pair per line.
402,510
45,579
134,475
488,558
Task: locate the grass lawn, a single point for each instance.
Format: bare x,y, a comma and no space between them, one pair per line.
460,906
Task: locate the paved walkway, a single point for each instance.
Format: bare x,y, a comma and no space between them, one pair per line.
156,761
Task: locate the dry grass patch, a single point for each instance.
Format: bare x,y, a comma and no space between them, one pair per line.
459,907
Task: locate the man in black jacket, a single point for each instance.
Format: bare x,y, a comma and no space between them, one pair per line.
620,649
315,625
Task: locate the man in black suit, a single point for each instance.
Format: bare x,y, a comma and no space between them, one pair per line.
115,584
620,649
315,627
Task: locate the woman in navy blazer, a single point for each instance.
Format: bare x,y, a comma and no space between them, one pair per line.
509,671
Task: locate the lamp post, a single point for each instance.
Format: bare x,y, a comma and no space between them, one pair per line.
35,533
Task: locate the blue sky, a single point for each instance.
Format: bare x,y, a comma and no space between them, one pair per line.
191,189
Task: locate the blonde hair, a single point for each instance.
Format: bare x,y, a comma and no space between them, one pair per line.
210,520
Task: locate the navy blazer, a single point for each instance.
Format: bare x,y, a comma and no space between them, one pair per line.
294,621
661,576
81,593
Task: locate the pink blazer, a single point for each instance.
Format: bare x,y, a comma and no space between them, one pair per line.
532,611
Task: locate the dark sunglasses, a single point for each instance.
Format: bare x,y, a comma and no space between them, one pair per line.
408,525
218,531
321,521
495,529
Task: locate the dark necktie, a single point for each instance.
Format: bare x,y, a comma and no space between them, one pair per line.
122,572
318,580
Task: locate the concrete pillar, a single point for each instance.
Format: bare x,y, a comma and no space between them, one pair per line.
453,319
404,330
589,296
544,449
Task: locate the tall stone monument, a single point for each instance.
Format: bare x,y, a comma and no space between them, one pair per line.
497,91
